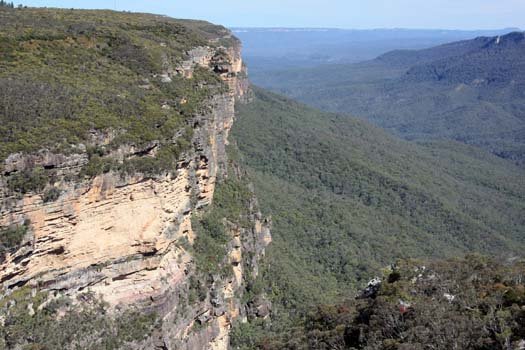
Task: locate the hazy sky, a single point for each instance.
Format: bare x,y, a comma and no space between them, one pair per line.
449,14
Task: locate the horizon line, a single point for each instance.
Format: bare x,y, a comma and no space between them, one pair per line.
235,27
313,27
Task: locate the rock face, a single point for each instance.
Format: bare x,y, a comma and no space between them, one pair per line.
122,237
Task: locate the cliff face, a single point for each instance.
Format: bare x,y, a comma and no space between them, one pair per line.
128,239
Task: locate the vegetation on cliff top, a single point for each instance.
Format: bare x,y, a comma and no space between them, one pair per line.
99,77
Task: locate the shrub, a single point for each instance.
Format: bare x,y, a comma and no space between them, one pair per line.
98,165
51,195
11,237
231,201
85,321
28,180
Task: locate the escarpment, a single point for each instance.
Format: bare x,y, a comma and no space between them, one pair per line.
122,214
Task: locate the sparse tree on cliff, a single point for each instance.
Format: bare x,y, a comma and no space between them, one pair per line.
6,4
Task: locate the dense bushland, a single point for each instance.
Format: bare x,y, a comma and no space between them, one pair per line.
471,303
347,199
73,81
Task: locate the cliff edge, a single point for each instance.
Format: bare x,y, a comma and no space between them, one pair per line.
118,128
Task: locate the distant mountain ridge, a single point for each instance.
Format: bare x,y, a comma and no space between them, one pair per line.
490,60
270,49
411,57
313,29
472,91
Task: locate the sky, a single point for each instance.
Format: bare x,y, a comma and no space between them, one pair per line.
358,14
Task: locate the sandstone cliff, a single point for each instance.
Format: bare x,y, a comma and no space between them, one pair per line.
128,238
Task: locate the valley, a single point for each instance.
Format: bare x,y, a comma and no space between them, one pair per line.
154,194
469,91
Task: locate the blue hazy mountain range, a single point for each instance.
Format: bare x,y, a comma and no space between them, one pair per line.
270,49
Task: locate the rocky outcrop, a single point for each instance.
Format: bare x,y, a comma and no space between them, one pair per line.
127,238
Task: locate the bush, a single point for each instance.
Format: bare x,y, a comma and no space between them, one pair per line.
28,181
210,244
98,165
231,201
11,237
51,195
84,323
